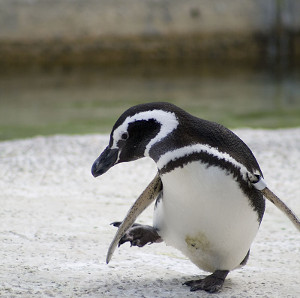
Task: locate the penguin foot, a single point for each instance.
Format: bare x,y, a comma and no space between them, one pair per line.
211,283
139,235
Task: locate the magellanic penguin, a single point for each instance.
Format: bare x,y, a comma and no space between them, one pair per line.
207,205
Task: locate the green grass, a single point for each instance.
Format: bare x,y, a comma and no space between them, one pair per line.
83,124
90,102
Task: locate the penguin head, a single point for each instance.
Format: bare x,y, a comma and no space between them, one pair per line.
134,133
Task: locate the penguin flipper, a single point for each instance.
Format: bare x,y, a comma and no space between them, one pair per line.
211,283
143,201
262,186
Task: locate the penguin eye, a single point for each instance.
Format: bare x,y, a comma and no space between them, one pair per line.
124,136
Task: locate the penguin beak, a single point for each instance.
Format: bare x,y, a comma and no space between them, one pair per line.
105,161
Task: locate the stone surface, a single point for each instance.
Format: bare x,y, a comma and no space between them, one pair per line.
55,224
53,32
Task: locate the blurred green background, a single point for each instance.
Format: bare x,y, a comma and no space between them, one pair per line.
76,71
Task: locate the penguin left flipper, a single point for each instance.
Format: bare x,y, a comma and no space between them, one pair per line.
139,235
211,283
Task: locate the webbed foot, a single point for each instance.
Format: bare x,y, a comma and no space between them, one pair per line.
139,235
211,283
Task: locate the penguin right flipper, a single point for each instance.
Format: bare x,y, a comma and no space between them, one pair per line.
260,184
139,235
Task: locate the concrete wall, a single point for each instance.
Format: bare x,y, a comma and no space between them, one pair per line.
105,31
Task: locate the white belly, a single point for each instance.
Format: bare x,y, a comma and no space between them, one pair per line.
206,216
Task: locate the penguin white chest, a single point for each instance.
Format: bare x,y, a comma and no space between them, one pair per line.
205,214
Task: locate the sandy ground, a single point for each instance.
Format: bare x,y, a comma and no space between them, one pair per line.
55,232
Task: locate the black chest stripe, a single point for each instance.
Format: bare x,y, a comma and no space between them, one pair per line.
202,157
255,196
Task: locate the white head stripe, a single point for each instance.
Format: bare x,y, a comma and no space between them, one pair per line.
188,150
167,120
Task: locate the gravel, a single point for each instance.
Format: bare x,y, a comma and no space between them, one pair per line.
55,224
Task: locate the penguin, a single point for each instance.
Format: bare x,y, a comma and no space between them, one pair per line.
206,203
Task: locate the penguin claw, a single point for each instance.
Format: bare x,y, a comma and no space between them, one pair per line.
211,283
118,223
138,235
201,284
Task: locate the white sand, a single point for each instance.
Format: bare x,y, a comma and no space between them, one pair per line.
54,224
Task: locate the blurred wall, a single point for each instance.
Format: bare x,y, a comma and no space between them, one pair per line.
71,32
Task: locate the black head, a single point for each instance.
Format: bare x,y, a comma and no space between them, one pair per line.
135,132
